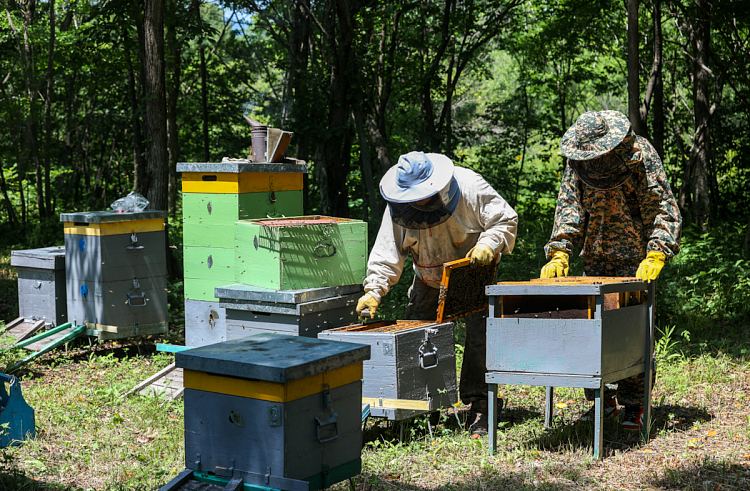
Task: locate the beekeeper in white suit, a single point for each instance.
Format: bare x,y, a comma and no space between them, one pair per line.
439,213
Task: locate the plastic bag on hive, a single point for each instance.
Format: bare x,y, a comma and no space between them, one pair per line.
132,203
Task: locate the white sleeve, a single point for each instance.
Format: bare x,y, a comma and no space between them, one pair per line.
386,261
497,218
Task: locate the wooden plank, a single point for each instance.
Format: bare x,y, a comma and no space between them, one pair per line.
15,322
396,403
151,379
228,183
37,345
23,330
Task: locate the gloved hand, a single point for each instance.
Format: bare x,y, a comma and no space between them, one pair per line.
367,301
481,255
557,266
651,266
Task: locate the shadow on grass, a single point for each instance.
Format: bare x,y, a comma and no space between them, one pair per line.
8,299
562,437
13,478
708,474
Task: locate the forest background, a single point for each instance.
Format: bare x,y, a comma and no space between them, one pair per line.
99,98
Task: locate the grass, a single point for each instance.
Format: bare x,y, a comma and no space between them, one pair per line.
89,437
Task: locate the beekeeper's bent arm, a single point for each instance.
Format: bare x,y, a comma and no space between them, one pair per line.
386,261
570,216
497,220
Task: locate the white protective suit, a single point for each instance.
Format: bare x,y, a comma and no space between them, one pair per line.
482,216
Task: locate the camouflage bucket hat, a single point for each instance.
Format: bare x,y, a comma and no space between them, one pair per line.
594,134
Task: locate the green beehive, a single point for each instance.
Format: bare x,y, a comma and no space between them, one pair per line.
215,196
300,252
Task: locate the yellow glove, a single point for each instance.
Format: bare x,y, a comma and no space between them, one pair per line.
651,266
557,266
367,301
481,255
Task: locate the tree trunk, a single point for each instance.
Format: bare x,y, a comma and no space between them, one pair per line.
48,108
204,103
12,219
658,103
634,88
174,65
364,150
699,153
155,114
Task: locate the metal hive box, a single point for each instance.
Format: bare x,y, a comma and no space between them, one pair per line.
580,327
279,411
253,310
300,252
412,368
41,284
215,196
116,272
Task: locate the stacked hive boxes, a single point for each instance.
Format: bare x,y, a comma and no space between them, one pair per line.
215,196
116,270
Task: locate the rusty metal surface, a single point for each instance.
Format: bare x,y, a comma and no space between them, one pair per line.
384,326
298,221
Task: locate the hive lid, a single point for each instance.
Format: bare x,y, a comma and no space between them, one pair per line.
272,357
44,258
253,294
287,166
111,216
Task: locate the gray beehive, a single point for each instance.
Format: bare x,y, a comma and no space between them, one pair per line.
41,284
279,411
116,272
412,369
305,312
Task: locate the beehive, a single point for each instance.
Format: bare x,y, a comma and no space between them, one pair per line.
569,332
253,310
41,284
215,196
116,272
300,252
412,369
278,411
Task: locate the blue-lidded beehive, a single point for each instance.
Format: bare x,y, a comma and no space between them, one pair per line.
277,411
116,270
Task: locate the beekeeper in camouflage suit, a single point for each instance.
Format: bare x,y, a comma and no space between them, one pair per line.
616,205
439,213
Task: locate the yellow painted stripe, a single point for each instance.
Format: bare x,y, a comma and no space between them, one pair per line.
258,183
114,228
272,391
246,182
397,403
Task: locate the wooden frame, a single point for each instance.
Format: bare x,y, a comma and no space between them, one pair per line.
445,283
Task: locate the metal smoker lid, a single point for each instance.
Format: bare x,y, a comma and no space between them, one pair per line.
289,165
111,216
54,257
272,357
255,294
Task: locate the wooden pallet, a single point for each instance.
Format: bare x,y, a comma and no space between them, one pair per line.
22,329
168,382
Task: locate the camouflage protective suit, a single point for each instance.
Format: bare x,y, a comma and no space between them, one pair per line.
615,228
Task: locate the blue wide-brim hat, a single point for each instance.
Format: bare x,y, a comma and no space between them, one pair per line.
416,176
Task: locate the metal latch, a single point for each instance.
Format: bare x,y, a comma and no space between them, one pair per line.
331,421
134,242
274,416
428,357
140,298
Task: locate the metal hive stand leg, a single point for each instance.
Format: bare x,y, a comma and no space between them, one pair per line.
549,407
492,416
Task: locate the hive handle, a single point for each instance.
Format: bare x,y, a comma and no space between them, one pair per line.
333,420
